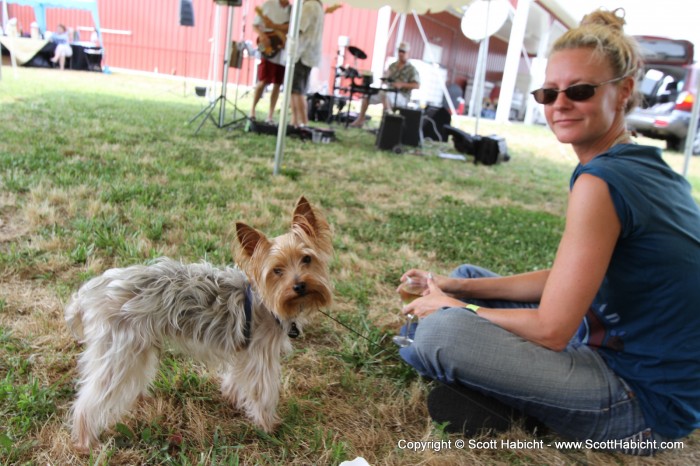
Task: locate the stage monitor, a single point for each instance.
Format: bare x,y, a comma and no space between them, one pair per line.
229,2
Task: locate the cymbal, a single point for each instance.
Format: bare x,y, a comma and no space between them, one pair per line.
357,53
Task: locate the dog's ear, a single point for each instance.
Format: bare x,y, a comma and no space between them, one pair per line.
310,223
304,215
250,239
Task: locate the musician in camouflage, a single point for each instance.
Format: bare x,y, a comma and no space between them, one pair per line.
401,77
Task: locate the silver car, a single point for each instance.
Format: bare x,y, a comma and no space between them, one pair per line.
668,89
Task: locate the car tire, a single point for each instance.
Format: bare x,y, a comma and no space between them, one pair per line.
679,144
696,143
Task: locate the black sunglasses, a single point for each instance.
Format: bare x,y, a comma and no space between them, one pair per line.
577,92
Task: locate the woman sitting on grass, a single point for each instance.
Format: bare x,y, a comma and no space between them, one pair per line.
604,346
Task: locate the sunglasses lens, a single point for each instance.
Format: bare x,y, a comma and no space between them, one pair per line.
577,93
545,96
580,92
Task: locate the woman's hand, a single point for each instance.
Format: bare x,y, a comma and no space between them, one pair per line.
419,278
433,297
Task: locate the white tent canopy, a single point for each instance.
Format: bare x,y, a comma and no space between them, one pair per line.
407,6
40,7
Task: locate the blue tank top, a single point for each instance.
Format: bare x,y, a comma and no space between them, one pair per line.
645,319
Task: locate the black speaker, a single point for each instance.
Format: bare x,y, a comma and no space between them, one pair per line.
434,121
463,141
412,132
186,13
389,135
491,150
487,150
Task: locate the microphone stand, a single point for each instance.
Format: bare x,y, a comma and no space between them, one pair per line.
207,111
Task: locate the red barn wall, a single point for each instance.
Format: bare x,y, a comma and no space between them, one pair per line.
147,36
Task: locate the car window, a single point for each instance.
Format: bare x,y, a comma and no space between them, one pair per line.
660,50
661,85
650,82
663,50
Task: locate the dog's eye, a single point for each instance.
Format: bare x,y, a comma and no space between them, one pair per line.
306,260
277,271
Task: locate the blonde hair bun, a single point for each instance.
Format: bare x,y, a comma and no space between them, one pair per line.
613,19
603,31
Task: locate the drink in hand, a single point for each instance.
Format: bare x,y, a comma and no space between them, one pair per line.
408,291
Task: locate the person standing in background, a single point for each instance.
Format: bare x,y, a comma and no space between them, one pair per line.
271,24
308,55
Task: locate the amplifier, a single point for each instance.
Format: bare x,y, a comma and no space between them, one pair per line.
412,132
491,150
390,132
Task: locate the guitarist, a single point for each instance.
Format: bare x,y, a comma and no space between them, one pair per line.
271,23
308,56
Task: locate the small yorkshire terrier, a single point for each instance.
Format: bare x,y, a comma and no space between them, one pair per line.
235,320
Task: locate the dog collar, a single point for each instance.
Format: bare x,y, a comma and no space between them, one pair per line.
248,311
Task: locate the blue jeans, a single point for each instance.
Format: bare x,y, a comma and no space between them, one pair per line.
573,392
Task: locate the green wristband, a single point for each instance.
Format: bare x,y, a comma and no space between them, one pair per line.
472,307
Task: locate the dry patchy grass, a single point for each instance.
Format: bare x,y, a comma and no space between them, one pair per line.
119,178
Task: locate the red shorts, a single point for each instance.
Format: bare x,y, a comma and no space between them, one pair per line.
270,73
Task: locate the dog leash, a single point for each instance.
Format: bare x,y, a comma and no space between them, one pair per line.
352,330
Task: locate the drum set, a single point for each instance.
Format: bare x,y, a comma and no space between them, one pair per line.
350,83
352,72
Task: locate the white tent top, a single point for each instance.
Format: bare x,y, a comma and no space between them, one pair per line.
407,6
436,6
40,7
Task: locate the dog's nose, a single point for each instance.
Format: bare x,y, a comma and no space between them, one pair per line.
300,288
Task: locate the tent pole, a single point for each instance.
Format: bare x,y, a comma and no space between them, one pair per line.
445,94
381,39
399,34
4,28
214,56
515,48
537,73
292,44
393,24
478,91
4,16
692,130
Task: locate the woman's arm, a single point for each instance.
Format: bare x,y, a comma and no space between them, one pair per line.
591,233
525,287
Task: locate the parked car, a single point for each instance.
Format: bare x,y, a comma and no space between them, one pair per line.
668,89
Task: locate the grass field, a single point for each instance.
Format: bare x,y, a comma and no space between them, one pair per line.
102,170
